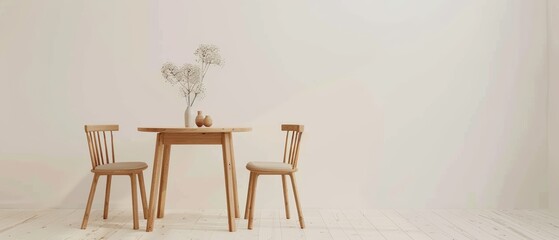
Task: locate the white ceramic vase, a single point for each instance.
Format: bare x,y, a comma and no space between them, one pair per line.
188,117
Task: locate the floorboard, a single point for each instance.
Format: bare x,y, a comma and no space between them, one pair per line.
270,224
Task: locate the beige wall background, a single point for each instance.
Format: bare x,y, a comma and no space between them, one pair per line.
553,39
407,104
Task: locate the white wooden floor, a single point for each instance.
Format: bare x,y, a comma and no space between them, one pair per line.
271,224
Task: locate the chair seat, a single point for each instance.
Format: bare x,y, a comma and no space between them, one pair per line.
270,167
120,167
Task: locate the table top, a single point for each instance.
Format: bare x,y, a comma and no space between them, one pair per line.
193,129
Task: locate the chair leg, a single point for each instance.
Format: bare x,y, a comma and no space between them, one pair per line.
285,198
134,201
107,197
143,194
89,201
249,194
251,207
299,211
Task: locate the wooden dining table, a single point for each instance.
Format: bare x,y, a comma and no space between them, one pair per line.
166,137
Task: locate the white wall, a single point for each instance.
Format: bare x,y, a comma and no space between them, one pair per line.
553,39
416,104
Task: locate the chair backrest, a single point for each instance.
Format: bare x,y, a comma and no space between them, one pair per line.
292,142
101,150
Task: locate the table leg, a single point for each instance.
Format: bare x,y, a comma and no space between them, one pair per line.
155,181
164,177
234,175
228,181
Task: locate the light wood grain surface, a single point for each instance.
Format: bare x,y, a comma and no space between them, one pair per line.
322,224
193,129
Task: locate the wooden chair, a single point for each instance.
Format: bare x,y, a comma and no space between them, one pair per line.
101,153
286,168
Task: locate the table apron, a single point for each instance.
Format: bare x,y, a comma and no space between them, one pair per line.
193,138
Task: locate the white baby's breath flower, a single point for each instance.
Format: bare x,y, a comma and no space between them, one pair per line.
208,54
170,72
200,88
190,77
201,92
191,73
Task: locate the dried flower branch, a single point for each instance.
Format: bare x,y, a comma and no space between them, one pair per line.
191,77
